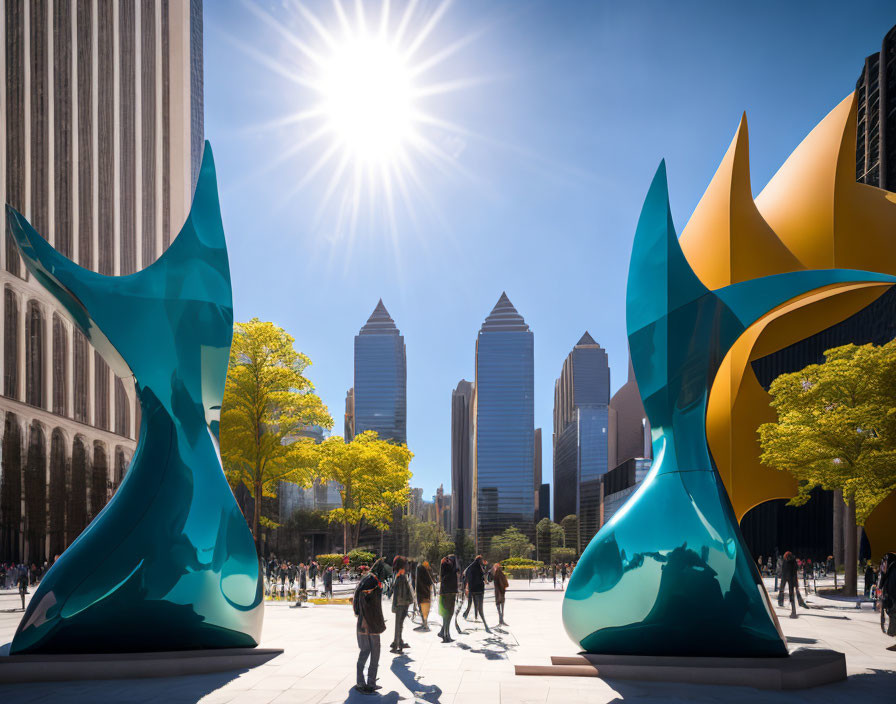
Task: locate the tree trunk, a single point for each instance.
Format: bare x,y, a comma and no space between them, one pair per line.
345,536
839,511
256,518
850,556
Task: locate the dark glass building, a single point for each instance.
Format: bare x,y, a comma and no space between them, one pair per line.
581,422
505,425
462,456
379,396
876,117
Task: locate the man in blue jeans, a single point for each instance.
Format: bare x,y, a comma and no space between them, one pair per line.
367,604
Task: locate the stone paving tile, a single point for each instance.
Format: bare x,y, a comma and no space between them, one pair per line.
318,664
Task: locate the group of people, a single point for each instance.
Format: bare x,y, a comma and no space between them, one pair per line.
286,579
20,576
413,586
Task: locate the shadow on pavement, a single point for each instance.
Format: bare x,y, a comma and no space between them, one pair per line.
425,692
174,689
356,697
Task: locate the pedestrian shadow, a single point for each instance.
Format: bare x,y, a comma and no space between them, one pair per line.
496,648
421,692
798,639
356,697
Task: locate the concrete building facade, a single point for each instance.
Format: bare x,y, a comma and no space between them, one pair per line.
101,132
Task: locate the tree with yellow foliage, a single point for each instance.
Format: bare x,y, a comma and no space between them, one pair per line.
375,478
267,401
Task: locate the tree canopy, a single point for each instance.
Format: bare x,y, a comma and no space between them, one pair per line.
511,543
548,536
570,525
374,475
428,540
836,430
267,401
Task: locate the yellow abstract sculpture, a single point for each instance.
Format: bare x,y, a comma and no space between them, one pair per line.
811,215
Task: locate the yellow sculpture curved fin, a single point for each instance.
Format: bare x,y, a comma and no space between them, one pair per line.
819,211
738,404
727,240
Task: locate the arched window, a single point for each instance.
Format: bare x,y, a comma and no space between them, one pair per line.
11,489
121,466
122,412
34,356
60,366
76,512
58,494
81,379
101,392
99,478
11,344
36,495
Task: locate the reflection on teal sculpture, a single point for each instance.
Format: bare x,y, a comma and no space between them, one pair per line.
669,573
169,564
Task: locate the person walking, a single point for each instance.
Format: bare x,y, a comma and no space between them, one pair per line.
474,579
23,586
501,584
790,578
367,604
328,583
564,568
402,598
447,595
424,583
870,578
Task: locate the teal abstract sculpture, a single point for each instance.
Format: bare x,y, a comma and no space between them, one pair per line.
169,563
669,573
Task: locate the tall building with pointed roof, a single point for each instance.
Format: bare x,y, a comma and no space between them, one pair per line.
504,432
379,395
581,435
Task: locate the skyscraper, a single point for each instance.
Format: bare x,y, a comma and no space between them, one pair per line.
629,427
876,117
505,429
581,422
379,396
100,143
536,470
462,456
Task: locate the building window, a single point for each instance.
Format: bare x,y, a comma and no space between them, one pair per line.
122,412
81,378
98,480
57,494
101,389
34,356
60,366
36,496
11,345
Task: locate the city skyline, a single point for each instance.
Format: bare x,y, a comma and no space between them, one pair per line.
560,146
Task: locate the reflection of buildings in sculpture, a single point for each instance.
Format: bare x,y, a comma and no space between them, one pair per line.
620,483
462,456
379,395
581,423
503,494
101,132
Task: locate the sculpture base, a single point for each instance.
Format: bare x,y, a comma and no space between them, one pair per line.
114,666
803,669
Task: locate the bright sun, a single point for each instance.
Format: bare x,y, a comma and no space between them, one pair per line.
367,97
362,123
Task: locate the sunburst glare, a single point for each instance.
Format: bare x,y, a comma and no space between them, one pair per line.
368,138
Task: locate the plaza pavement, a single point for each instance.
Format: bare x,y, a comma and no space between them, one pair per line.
318,665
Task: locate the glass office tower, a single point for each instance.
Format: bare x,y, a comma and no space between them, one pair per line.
380,392
504,475
581,422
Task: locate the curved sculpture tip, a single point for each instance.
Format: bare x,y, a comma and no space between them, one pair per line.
169,564
659,277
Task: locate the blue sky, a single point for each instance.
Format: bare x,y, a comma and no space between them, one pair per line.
564,112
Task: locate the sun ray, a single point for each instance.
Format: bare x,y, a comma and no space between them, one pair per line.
278,27
427,28
405,21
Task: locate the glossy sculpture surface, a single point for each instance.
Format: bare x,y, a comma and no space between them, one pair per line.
669,574
169,564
